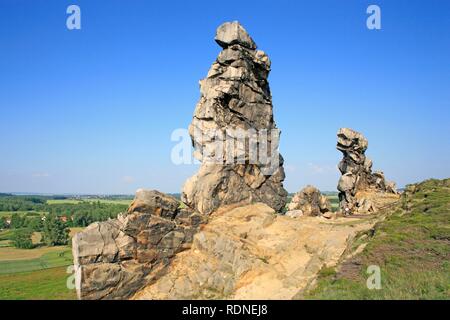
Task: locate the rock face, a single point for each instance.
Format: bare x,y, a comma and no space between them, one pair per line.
115,258
310,202
250,252
357,182
233,119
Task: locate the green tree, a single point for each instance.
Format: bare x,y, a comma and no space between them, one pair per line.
22,239
16,221
3,223
54,231
35,224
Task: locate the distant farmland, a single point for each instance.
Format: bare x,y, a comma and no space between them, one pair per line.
39,273
76,201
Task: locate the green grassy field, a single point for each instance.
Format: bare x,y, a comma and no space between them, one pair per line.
6,234
411,247
39,273
63,201
56,258
4,243
43,277
48,284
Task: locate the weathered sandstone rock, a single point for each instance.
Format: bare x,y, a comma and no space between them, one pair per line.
155,202
115,258
310,202
250,252
231,33
358,186
235,102
294,213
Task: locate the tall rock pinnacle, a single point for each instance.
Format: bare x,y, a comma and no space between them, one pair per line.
233,131
357,181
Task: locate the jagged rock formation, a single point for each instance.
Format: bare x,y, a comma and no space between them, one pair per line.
115,258
250,253
310,202
357,183
235,97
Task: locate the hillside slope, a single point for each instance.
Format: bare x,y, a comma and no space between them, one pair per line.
411,247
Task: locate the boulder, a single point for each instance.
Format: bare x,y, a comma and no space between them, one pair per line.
310,202
231,33
154,202
294,213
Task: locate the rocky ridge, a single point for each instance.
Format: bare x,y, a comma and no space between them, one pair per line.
249,252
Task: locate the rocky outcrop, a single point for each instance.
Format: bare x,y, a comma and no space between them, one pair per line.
249,252
309,202
246,251
233,130
115,258
357,183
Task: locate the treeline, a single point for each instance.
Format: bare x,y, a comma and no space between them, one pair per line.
54,233
32,221
84,213
52,220
21,203
72,214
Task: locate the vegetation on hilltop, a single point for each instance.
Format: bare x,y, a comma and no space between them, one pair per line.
411,247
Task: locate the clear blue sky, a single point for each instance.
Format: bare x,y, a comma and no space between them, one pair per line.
92,110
